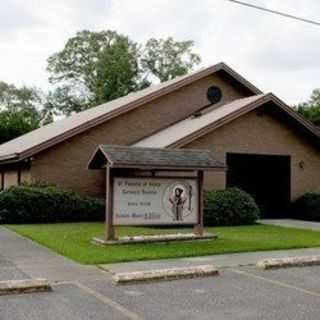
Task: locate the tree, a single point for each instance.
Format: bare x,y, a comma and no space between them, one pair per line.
311,108
167,59
92,68
19,111
96,67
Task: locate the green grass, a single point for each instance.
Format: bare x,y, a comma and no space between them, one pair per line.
73,240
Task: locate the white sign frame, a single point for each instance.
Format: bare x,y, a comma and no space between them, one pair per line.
174,201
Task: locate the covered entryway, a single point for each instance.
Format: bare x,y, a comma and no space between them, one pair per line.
265,177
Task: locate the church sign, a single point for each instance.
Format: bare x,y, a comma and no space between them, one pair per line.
155,201
148,186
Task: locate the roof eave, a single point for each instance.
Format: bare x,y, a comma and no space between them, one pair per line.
136,103
10,158
270,97
169,168
91,161
241,79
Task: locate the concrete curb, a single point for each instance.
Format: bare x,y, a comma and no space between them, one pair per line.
24,286
155,238
164,274
289,262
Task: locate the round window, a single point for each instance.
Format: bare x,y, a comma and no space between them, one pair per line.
214,94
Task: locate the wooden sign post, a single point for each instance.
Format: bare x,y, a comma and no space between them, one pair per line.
198,229
110,233
147,186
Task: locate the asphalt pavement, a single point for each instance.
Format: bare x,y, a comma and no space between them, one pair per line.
240,293
9,271
82,293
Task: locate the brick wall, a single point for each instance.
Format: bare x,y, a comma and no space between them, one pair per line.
263,135
66,163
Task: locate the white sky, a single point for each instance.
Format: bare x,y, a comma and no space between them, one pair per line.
275,53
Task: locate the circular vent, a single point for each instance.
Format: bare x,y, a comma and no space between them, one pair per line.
214,94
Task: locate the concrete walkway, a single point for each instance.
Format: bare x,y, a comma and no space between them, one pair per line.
220,261
291,223
24,256
239,293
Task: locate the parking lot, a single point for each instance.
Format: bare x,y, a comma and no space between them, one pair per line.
85,292
8,270
238,293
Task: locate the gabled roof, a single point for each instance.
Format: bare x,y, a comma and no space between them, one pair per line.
192,128
152,158
51,134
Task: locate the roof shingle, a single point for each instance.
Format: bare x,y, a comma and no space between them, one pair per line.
185,131
152,158
174,133
53,133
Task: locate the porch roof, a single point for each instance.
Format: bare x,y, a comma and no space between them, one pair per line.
153,158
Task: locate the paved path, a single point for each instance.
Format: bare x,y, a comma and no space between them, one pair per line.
9,271
291,223
243,293
27,257
36,261
220,261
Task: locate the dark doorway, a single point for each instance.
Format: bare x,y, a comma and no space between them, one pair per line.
265,177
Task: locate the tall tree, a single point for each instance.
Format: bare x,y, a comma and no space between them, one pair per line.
167,58
19,111
92,68
311,108
96,67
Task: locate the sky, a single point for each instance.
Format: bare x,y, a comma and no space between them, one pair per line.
276,54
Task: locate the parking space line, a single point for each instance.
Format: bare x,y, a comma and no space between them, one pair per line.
104,299
276,282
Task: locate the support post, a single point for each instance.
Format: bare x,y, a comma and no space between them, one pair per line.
198,229
110,233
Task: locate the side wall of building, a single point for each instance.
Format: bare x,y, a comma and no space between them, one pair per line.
256,134
66,163
12,175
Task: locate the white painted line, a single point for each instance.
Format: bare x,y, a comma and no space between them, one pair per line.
289,262
164,274
277,283
104,299
24,286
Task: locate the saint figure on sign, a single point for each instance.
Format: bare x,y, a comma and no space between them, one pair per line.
178,200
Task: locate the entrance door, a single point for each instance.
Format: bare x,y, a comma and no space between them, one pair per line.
265,177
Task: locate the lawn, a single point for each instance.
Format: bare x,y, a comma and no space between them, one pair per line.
73,240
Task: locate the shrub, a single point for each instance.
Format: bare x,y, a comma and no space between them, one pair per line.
307,207
229,207
47,204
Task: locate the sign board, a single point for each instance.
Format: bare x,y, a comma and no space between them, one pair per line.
155,201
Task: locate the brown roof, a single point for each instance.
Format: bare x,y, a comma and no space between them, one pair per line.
192,128
152,158
51,134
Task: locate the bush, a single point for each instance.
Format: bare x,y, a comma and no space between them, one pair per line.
229,207
47,204
307,207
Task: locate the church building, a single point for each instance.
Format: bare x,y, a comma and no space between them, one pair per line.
269,150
